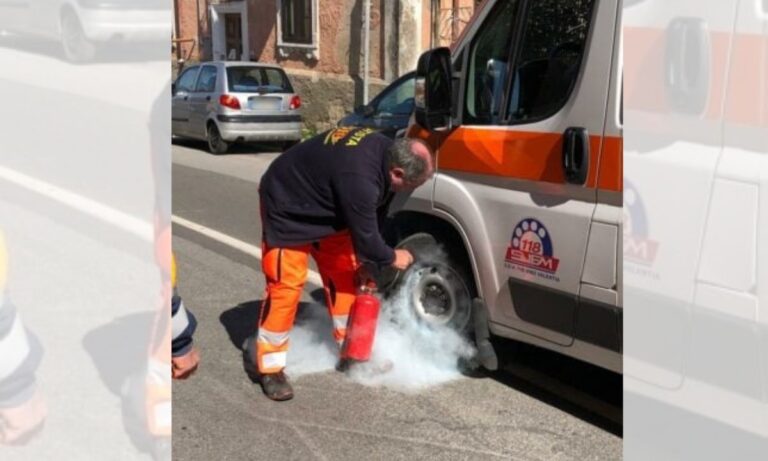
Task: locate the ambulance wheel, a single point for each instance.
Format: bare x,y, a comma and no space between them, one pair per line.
440,291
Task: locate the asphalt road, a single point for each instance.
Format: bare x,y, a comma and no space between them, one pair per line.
76,208
528,411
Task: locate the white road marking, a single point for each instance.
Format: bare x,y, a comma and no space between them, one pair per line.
313,277
139,83
125,221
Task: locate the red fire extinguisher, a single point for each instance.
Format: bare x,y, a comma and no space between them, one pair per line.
361,325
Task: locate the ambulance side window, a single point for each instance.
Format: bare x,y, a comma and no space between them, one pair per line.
549,58
488,59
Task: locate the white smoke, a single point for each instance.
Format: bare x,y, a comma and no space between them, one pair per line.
312,348
419,355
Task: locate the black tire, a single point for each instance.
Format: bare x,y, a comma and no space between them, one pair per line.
76,46
288,144
215,144
442,292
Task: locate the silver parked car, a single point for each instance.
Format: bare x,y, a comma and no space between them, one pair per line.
82,26
227,102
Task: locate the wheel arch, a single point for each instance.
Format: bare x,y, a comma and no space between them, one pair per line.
448,232
210,119
66,7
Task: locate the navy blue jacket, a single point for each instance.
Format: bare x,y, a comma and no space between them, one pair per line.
337,180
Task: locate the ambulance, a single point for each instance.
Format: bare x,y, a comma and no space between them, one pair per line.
524,114
695,229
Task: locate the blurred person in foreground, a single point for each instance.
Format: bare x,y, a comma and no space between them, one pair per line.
327,197
171,355
22,408
185,357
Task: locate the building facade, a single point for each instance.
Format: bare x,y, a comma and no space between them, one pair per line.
320,43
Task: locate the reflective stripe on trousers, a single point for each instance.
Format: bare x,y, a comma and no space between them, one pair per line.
180,320
14,343
286,271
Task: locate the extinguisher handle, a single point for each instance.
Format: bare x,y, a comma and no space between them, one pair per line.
369,287
364,280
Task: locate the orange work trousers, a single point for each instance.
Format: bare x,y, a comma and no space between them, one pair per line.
286,271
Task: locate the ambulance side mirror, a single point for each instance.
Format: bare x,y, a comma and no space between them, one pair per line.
432,99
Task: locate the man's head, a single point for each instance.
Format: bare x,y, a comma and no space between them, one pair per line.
411,163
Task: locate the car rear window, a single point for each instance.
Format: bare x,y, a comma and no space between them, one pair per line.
252,79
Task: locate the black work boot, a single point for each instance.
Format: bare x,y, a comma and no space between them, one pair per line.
276,386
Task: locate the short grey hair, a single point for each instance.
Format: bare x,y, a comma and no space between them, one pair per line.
401,155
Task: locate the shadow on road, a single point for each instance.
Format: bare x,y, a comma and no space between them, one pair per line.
235,149
119,351
311,337
584,391
590,393
242,320
119,348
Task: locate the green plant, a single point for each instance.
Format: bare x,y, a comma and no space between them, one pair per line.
308,132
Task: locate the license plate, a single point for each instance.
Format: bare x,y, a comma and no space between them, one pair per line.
262,103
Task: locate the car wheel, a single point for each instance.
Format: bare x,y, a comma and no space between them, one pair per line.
77,47
215,144
288,144
441,293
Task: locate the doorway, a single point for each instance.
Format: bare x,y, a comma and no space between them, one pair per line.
229,26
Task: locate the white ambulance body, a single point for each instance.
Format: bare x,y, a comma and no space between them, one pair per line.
527,198
696,229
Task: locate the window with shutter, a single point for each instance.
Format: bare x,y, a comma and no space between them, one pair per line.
296,21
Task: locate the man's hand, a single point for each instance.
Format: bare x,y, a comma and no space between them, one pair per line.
19,424
185,365
403,259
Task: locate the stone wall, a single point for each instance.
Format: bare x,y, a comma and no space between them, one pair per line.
410,34
326,98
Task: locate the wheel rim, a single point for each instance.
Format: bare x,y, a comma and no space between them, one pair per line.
437,295
72,35
213,138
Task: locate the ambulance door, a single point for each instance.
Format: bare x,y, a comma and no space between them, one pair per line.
675,73
599,320
531,111
729,310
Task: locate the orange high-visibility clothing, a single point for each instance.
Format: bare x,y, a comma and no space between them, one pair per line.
286,271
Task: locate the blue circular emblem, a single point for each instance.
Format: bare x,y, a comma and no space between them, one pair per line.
530,236
635,222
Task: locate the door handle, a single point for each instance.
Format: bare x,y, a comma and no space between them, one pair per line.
576,155
688,65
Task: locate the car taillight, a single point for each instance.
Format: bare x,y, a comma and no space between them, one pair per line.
227,100
295,103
